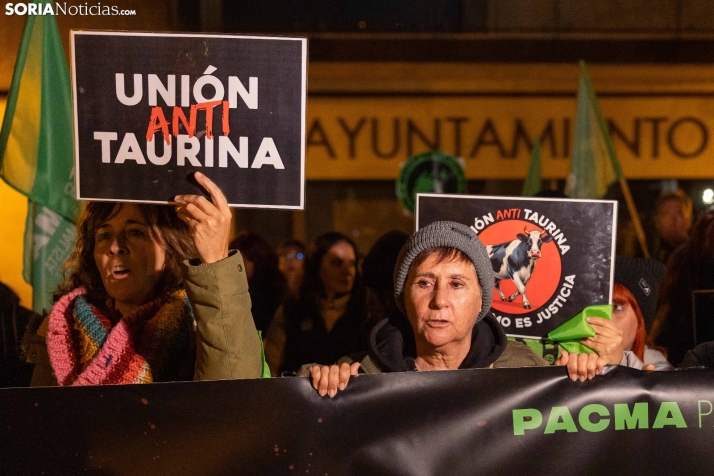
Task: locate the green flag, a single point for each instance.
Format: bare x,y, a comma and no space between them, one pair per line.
37,154
594,164
49,240
532,183
36,148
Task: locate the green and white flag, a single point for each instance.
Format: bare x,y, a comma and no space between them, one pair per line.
37,154
49,240
533,180
594,163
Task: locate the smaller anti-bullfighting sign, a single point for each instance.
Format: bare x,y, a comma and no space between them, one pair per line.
152,108
551,258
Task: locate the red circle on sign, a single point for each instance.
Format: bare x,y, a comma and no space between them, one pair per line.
544,279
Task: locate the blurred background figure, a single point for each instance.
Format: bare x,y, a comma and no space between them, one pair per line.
690,268
701,356
266,284
14,319
673,220
378,279
291,261
327,319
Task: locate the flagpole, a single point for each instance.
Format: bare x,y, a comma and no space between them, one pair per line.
532,184
625,187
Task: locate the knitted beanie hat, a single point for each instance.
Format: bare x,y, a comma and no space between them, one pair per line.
378,265
642,278
447,234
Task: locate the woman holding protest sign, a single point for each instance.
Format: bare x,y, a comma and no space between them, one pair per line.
154,295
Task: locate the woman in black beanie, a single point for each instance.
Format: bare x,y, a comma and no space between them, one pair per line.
443,284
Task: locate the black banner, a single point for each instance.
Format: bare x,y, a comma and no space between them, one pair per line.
493,422
563,248
152,108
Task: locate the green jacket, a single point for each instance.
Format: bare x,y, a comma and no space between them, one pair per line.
227,344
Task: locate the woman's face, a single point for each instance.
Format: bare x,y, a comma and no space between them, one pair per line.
338,269
442,301
129,261
625,319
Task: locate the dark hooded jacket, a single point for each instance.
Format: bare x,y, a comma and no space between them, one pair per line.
393,349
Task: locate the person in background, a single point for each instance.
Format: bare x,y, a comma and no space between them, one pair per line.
702,356
154,295
327,319
634,299
377,276
15,322
689,269
266,284
291,260
673,220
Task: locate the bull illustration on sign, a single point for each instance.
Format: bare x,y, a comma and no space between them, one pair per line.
516,260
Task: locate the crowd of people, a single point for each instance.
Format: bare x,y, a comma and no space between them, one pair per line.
158,293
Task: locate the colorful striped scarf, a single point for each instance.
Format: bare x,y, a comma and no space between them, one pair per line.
145,346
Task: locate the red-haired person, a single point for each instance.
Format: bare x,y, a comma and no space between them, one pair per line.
634,298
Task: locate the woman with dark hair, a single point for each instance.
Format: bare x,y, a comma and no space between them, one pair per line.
689,268
327,320
266,283
150,288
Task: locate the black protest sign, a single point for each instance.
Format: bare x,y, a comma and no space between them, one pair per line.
551,257
153,108
464,422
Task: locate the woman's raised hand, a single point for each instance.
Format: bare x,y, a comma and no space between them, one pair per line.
327,379
607,341
607,344
209,221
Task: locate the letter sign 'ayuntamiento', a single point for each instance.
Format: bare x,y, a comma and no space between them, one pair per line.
152,108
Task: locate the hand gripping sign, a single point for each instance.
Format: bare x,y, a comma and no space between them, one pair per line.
152,108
